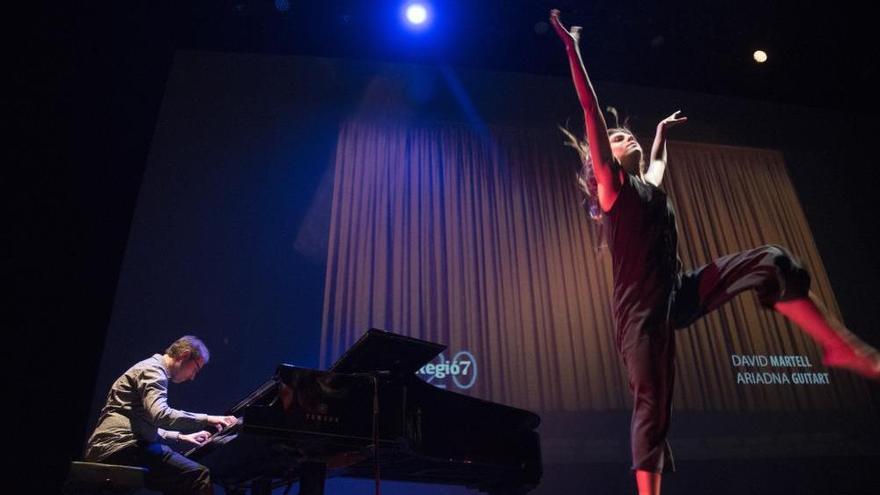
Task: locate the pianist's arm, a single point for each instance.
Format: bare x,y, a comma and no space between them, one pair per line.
154,394
191,439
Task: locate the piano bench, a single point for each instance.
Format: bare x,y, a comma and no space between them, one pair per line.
92,478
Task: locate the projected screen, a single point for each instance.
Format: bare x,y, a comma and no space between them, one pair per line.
290,204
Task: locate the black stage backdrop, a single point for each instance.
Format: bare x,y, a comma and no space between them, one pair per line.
232,231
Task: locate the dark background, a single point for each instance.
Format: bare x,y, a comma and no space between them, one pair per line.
88,81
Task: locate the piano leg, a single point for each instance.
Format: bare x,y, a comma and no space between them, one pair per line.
311,481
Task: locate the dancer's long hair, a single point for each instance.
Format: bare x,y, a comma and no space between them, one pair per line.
585,171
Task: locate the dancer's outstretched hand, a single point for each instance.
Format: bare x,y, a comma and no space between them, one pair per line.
569,37
671,121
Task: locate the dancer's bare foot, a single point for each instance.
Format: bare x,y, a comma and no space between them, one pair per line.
842,348
861,360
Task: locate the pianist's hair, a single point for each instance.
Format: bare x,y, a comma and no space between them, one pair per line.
189,343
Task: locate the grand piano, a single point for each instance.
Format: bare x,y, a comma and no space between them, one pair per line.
371,417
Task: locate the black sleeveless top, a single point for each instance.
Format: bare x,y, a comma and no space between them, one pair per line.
643,241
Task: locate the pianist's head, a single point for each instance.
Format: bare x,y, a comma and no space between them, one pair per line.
185,357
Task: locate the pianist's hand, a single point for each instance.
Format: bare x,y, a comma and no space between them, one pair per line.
195,439
221,422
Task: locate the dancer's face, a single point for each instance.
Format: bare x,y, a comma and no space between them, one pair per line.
626,149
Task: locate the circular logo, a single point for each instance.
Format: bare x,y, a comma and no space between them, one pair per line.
462,369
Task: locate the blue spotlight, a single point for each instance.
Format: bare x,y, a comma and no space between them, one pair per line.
417,14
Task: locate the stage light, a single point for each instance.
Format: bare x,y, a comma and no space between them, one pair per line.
760,56
417,15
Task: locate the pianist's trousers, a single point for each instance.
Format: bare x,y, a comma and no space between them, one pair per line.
648,347
169,472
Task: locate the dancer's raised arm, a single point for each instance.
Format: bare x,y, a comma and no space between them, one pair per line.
608,173
657,166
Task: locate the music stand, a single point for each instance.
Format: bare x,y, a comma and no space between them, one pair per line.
378,350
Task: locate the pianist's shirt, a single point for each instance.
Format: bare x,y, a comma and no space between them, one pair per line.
137,411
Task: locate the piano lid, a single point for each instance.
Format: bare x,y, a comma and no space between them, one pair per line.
378,350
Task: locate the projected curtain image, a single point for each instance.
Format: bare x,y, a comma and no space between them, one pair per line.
478,241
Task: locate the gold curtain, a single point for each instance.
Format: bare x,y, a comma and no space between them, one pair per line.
477,240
